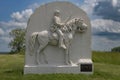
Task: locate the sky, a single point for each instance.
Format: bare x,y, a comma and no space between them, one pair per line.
104,16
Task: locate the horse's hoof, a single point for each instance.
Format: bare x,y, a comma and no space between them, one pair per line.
37,63
46,62
30,54
67,63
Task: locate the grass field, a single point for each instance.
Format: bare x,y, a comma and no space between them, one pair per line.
106,67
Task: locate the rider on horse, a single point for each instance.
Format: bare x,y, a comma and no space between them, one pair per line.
59,27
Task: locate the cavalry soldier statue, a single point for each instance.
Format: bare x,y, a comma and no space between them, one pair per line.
59,28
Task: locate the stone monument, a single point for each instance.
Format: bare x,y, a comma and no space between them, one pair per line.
58,40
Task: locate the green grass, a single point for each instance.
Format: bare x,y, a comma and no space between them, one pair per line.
106,57
106,67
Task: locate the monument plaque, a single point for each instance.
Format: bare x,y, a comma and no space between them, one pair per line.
58,40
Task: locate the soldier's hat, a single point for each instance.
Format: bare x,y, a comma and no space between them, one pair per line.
57,11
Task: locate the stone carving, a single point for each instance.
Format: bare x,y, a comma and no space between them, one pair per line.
60,34
59,28
47,50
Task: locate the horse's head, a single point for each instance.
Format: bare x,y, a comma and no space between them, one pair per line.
77,25
80,25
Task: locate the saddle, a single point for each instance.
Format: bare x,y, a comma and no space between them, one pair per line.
54,39
54,35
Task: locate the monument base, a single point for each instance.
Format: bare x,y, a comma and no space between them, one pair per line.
85,68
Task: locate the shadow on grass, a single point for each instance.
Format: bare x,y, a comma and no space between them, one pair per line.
18,71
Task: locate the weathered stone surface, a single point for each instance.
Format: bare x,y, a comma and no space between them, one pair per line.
41,20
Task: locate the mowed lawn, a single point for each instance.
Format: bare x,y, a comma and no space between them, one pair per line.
106,67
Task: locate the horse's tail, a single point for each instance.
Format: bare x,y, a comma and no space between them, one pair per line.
32,41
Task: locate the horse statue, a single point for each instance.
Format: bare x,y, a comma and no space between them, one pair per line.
48,37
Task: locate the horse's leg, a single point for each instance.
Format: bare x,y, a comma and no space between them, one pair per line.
45,59
38,55
41,50
67,57
70,62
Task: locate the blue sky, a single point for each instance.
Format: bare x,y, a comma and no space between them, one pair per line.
104,16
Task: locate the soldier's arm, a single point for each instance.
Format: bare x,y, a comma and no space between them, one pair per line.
58,23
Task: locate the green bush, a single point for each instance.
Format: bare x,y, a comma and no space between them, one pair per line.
115,49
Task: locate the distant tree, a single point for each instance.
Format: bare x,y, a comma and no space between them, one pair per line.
115,49
17,44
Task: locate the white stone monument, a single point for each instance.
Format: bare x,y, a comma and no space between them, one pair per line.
58,40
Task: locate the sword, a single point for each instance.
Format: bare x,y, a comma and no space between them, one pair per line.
68,19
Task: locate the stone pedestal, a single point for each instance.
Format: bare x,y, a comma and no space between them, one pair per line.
49,69
85,67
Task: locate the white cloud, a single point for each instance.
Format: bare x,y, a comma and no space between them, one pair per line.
22,16
6,39
34,6
102,25
100,43
14,24
18,20
105,42
114,2
88,6
1,31
16,16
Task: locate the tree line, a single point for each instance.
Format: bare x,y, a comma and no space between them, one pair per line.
115,49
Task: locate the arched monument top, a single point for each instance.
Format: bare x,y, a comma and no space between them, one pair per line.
41,19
